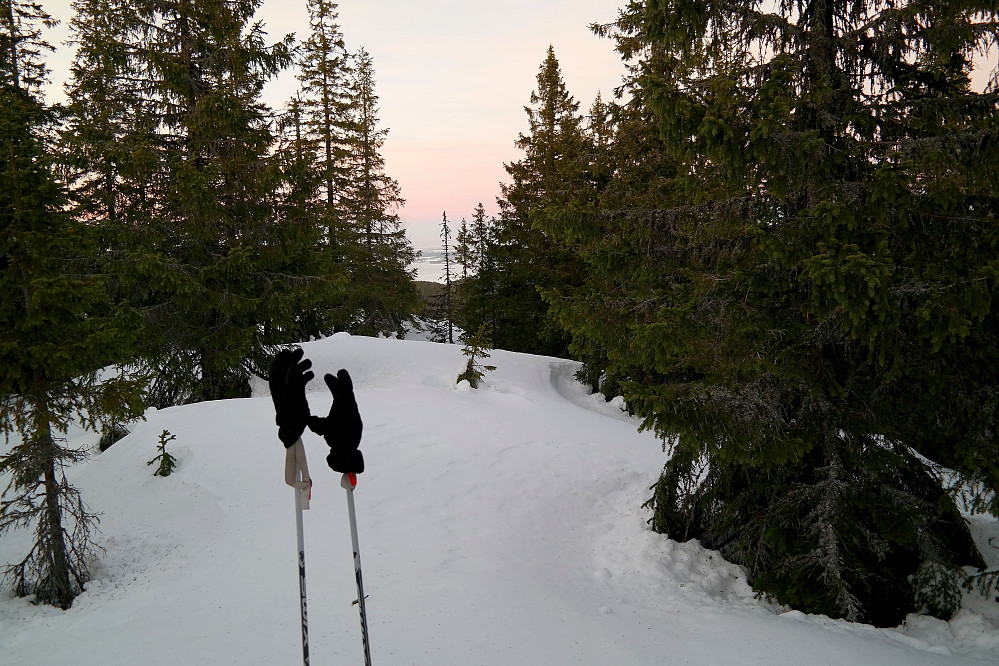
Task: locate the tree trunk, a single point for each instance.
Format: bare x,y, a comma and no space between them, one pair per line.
56,585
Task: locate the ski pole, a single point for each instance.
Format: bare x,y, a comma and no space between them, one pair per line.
347,482
296,475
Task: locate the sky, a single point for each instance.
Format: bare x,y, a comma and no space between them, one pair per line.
453,77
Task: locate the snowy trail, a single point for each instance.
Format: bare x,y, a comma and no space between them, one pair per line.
497,526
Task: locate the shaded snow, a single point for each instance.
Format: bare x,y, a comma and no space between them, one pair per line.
497,526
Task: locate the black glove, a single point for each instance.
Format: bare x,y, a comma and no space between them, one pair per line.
342,428
287,379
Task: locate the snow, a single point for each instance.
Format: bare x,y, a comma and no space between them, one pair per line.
501,525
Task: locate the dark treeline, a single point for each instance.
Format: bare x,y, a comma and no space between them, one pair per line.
778,243
166,222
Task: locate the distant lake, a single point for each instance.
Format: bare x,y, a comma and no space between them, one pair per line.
430,265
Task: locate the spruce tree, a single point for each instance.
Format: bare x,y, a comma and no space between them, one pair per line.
216,250
464,249
477,348
326,73
58,329
323,125
208,67
481,236
476,293
800,298
528,259
306,306
634,174
108,145
447,309
382,296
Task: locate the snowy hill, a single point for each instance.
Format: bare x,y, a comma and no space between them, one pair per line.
497,526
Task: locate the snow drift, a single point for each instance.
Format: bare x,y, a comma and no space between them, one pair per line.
497,526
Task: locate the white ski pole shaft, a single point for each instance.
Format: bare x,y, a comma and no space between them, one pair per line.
296,475
347,482
301,571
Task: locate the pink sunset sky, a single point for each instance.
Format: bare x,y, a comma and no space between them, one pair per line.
453,77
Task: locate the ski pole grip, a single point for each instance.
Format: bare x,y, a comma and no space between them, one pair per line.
295,462
348,481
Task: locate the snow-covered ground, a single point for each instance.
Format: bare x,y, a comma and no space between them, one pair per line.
497,526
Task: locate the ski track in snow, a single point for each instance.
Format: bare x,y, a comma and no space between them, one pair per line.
497,526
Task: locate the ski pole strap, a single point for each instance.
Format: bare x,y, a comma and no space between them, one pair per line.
294,459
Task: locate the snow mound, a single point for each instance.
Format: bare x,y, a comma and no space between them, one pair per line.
502,525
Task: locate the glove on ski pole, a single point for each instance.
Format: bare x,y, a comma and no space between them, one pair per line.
342,428
287,379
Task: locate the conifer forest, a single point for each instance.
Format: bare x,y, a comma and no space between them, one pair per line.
778,241
166,222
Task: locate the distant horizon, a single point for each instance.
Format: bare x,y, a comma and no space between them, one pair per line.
422,236
426,233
